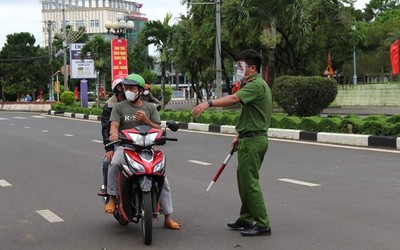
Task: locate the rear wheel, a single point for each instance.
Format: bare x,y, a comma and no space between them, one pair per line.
147,227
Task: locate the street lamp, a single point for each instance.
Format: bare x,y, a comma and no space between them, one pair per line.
120,27
354,58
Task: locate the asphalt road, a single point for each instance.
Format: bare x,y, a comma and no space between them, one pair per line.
317,196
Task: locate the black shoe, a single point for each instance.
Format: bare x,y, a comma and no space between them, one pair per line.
239,223
256,230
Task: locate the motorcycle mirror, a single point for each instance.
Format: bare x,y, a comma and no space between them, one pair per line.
172,125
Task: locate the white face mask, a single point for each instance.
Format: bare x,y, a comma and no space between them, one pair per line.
130,96
146,92
241,70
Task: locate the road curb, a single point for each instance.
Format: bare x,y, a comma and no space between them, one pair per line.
323,137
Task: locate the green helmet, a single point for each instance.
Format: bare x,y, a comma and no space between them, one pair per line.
134,79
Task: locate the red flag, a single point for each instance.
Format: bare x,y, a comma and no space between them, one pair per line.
101,92
76,92
329,58
394,57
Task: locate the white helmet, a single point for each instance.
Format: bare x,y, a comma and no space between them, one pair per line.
117,80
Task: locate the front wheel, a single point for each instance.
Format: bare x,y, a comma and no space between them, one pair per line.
147,219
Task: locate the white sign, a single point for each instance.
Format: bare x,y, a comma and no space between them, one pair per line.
81,69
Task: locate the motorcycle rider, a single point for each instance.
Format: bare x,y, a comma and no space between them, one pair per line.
128,114
118,96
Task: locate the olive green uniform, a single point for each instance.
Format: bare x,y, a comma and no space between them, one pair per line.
252,127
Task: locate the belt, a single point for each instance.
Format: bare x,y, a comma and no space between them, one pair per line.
251,134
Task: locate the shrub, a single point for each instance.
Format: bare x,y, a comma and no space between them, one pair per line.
308,124
370,118
68,98
395,130
330,124
350,124
291,122
206,117
58,107
184,117
372,128
304,96
156,92
394,119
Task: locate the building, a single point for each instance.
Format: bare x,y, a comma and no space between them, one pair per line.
91,14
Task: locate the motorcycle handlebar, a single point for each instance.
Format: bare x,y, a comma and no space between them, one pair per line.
113,142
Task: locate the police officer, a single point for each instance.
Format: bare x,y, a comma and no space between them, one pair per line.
252,140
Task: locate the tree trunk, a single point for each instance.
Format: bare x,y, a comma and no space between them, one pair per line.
163,80
271,67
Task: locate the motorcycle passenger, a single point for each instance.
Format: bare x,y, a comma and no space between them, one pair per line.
148,96
129,114
118,96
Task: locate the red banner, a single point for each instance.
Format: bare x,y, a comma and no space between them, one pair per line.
394,57
119,57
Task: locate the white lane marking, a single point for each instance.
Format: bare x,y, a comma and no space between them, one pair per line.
97,141
49,215
38,116
4,183
299,182
68,135
45,131
20,117
3,119
200,162
27,127
12,124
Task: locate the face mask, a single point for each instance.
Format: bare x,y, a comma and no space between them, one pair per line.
146,92
130,96
241,70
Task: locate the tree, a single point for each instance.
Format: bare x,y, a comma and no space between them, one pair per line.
160,34
101,54
193,48
260,15
23,66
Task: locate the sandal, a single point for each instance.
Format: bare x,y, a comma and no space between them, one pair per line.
172,225
110,207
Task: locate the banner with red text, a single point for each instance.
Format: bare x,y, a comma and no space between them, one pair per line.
119,57
394,57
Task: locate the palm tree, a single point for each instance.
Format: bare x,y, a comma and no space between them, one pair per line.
101,54
160,35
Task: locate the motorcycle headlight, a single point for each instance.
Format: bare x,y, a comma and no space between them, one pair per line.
136,166
160,166
143,141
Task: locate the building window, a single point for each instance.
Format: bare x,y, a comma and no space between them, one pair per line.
94,23
79,23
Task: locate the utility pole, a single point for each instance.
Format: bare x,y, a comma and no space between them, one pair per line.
218,68
51,87
64,26
218,61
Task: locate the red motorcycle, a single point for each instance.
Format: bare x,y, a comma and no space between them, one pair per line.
140,181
